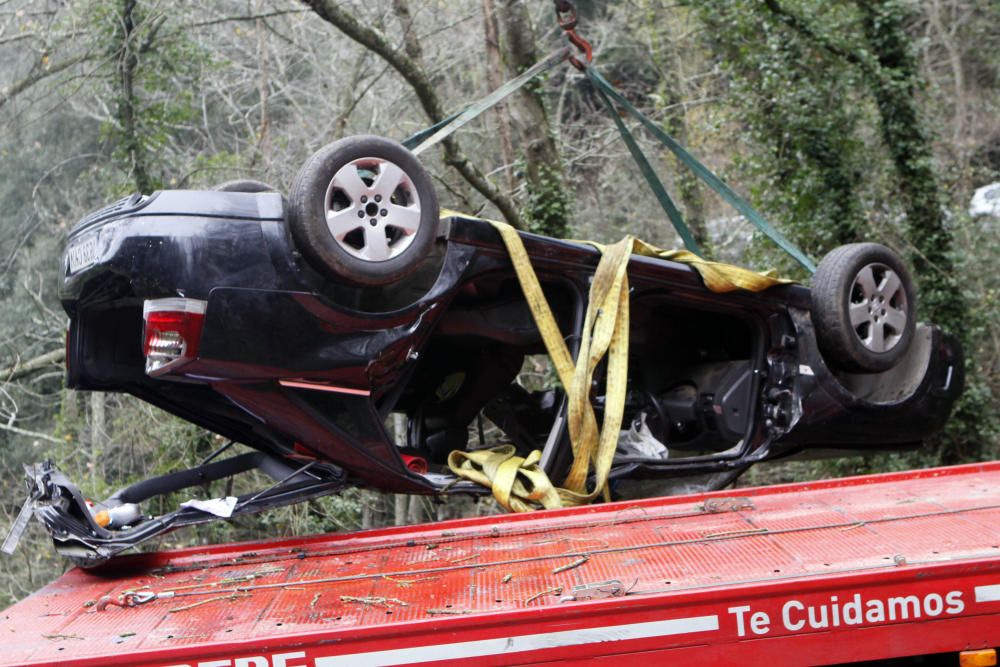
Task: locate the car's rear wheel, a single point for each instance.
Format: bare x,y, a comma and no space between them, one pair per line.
363,209
863,307
245,185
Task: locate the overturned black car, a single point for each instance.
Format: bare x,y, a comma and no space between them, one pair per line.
299,327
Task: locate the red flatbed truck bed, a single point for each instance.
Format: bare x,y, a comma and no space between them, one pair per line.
838,571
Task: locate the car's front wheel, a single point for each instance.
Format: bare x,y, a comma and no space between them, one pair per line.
363,209
863,307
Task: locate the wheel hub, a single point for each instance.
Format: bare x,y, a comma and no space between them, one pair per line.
877,308
375,191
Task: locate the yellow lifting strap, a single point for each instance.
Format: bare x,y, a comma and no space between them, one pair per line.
518,483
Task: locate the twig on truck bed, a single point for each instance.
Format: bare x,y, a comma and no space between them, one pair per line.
453,612
403,583
231,596
374,601
577,563
550,591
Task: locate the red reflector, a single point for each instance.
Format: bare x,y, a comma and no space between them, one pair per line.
187,325
415,464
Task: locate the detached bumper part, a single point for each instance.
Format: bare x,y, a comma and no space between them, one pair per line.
89,538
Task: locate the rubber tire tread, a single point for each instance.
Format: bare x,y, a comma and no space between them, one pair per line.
307,218
245,185
831,290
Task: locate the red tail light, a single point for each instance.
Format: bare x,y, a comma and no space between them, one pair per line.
171,332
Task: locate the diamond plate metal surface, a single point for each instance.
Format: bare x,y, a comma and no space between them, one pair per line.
496,567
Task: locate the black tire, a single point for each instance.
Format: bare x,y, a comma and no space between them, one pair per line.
387,242
863,307
245,185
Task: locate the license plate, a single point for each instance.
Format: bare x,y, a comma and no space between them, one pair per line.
82,253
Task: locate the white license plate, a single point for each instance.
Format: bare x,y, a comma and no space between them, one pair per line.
82,253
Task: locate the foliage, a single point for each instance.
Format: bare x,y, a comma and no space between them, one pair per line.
802,111
547,208
841,120
816,79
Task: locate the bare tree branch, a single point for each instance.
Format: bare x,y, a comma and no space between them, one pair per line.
38,73
245,17
60,37
30,434
19,370
413,73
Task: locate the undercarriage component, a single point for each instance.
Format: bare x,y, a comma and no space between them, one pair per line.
89,533
709,410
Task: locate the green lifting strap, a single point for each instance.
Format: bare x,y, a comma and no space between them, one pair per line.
416,138
700,170
424,139
676,219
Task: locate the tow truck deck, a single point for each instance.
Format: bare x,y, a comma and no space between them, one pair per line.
864,568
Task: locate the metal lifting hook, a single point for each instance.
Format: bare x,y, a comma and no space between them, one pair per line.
131,599
566,16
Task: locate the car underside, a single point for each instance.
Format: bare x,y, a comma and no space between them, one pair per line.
201,303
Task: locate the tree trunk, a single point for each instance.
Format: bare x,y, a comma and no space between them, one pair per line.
906,137
688,187
264,148
399,438
127,62
98,436
494,76
905,134
70,406
668,58
399,509
547,206
950,42
415,514
410,42
368,500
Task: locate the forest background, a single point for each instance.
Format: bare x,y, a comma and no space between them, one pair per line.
842,120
